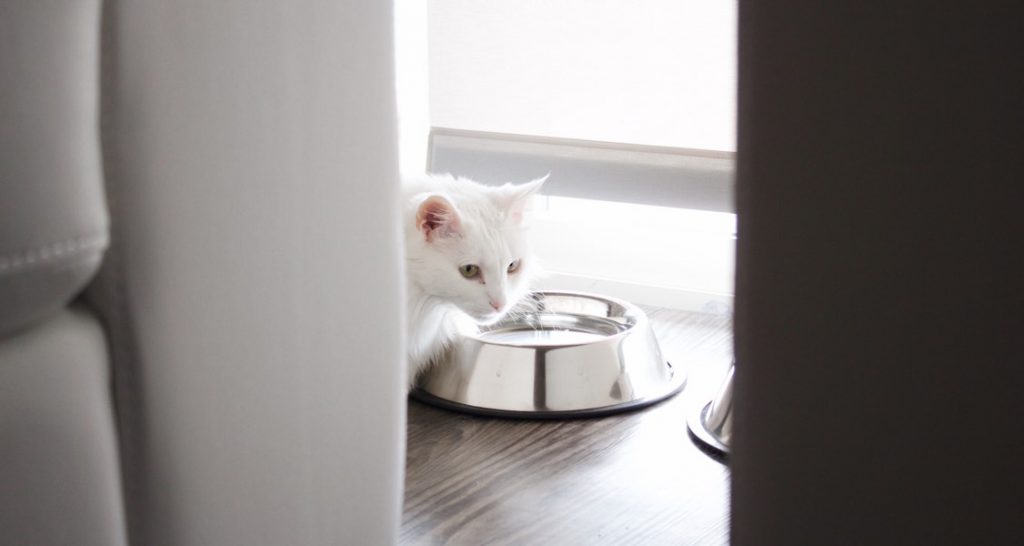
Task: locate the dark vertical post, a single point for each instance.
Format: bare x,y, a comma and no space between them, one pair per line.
880,298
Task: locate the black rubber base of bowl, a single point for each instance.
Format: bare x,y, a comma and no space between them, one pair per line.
704,438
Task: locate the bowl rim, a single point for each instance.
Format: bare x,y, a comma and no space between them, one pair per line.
630,310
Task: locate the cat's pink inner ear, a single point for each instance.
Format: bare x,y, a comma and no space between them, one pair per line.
437,217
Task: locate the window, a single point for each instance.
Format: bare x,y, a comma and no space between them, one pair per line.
652,72
629,104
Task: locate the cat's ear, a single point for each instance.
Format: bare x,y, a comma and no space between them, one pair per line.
517,197
438,217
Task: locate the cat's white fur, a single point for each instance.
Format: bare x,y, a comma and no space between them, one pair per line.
449,223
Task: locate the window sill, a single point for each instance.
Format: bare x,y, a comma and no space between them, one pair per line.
666,257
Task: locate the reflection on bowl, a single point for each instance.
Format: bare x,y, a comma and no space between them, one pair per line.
561,354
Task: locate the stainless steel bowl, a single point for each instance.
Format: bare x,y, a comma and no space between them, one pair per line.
711,424
561,354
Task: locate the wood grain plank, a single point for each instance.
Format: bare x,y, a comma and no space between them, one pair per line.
634,478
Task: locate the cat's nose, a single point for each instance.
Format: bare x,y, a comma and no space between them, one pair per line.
497,305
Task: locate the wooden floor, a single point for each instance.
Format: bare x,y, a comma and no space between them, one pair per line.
635,478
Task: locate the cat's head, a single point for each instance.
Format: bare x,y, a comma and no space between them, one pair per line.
470,246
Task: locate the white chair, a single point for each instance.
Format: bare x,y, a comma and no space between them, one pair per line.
232,374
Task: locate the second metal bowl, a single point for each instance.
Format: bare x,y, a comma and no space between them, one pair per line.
563,354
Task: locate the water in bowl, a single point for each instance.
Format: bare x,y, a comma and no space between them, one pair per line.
540,337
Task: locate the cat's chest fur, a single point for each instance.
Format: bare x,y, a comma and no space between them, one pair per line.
431,324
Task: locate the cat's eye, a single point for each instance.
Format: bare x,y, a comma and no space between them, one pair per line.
514,266
470,271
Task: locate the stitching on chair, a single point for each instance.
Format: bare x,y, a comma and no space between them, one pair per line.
51,252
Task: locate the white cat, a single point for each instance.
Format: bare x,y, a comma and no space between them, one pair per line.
467,258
